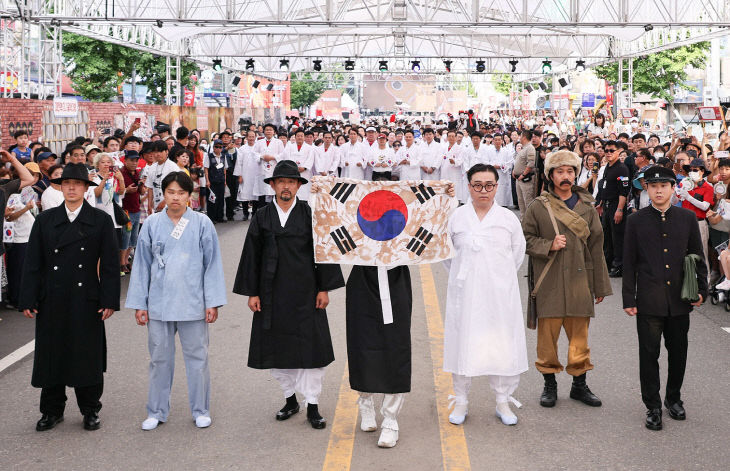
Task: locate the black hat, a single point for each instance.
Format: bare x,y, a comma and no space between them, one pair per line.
659,174
286,169
74,172
225,132
131,154
698,163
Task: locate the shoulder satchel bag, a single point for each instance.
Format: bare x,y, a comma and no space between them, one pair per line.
532,300
120,215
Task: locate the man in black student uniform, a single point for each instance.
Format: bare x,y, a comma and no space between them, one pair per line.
613,191
657,240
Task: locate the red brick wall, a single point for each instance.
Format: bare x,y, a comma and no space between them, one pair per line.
16,114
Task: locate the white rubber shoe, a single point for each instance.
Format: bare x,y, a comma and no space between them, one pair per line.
202,421
459,412
367,415
505,414
388,438
150,423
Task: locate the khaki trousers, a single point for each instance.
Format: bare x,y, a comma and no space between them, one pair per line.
579,355
525,194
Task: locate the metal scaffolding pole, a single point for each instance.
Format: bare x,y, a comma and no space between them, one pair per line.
173,89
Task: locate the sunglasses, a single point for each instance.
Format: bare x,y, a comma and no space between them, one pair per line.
217,147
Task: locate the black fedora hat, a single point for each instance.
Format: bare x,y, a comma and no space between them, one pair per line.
286,169
74,172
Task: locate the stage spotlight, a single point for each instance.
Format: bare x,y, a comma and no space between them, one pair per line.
249,65
383,67
514,63
447,65
159,23
284,64
349,64
416,66
547,66
580,65
317,65
217,65
529,88
648,28
481,67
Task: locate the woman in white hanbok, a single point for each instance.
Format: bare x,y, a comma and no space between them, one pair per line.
484,331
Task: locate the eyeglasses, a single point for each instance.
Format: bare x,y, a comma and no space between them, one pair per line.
478,187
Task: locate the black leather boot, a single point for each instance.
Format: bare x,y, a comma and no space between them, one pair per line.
550,392
290,408
580,392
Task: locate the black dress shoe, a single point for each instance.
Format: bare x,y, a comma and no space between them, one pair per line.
317,422
676,410
615,272
287,412
580,392
47,422
91,421
550,392
654,419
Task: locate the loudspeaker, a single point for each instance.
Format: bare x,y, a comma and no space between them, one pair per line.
270,87
528,88
345,115
563,82
542,86
235,80
256,84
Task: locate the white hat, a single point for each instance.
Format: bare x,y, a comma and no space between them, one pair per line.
370,129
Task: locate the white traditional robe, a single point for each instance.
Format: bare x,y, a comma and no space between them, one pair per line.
350,156
431,156
454,172
484,327
326,160
247,166
504,160
382,156
304,157
369,149
411,170
275,148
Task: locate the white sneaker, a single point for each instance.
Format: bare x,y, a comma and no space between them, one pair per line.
458,415
505,414
725,285
367,415
388,438
150,423
202,421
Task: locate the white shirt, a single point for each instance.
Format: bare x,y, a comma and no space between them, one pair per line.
284,215
52,197
154,178
72,214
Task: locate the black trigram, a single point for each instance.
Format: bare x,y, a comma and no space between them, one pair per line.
342,191
423,192
342,239
418,244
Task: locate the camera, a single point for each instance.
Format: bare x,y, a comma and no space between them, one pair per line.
685,140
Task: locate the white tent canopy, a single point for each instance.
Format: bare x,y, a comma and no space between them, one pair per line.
399,31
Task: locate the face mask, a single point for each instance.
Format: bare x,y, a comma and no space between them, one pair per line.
695,176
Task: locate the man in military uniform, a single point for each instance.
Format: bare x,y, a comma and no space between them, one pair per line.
71,284
613,190
657,240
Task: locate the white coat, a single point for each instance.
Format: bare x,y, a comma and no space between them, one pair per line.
247,166
431,156
326,160
454,172
275,148
483,331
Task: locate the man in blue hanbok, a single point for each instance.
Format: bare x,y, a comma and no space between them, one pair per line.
177,286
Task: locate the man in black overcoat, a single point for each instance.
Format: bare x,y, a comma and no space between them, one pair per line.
656,242
288,295
70,299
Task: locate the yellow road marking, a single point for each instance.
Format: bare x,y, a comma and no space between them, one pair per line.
342,434
454,451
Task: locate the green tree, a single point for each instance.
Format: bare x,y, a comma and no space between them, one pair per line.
305,89
96,68
502,83
659,74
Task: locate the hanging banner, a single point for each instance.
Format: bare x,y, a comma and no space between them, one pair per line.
189,96
380,223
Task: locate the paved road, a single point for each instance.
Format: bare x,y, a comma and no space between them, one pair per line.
244,434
